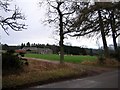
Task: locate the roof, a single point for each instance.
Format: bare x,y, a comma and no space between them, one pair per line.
20,51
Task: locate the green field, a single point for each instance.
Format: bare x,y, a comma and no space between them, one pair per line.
67,58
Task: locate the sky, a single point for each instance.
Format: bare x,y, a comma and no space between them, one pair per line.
37,32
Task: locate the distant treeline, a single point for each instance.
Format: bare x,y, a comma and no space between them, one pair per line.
71,50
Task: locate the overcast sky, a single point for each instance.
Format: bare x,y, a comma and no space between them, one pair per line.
37,32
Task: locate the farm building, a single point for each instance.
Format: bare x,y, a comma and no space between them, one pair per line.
20,51
38,50
44,51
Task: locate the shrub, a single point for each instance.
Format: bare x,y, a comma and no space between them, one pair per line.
22,54
111,62
10,52
101,59
9,60
115,56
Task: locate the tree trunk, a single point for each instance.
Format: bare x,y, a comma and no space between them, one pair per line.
61,42
61,35
112,22
106,52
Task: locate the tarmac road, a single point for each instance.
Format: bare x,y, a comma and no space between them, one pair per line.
105,80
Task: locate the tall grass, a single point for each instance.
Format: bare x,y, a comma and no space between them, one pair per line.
67,58
39,72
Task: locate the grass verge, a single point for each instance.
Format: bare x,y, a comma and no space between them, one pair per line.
40,72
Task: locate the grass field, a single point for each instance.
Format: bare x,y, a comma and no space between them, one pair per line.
67,58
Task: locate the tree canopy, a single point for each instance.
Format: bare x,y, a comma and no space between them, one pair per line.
99,19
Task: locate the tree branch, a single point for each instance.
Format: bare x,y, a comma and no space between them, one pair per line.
11,22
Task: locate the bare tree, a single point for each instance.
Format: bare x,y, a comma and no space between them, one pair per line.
114,22
93,21
11,18
60,13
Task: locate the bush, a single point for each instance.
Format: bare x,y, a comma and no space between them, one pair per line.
115,56
10,51
101,59
22,54
111,62
9,60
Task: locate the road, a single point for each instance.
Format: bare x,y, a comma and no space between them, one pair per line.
105,80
